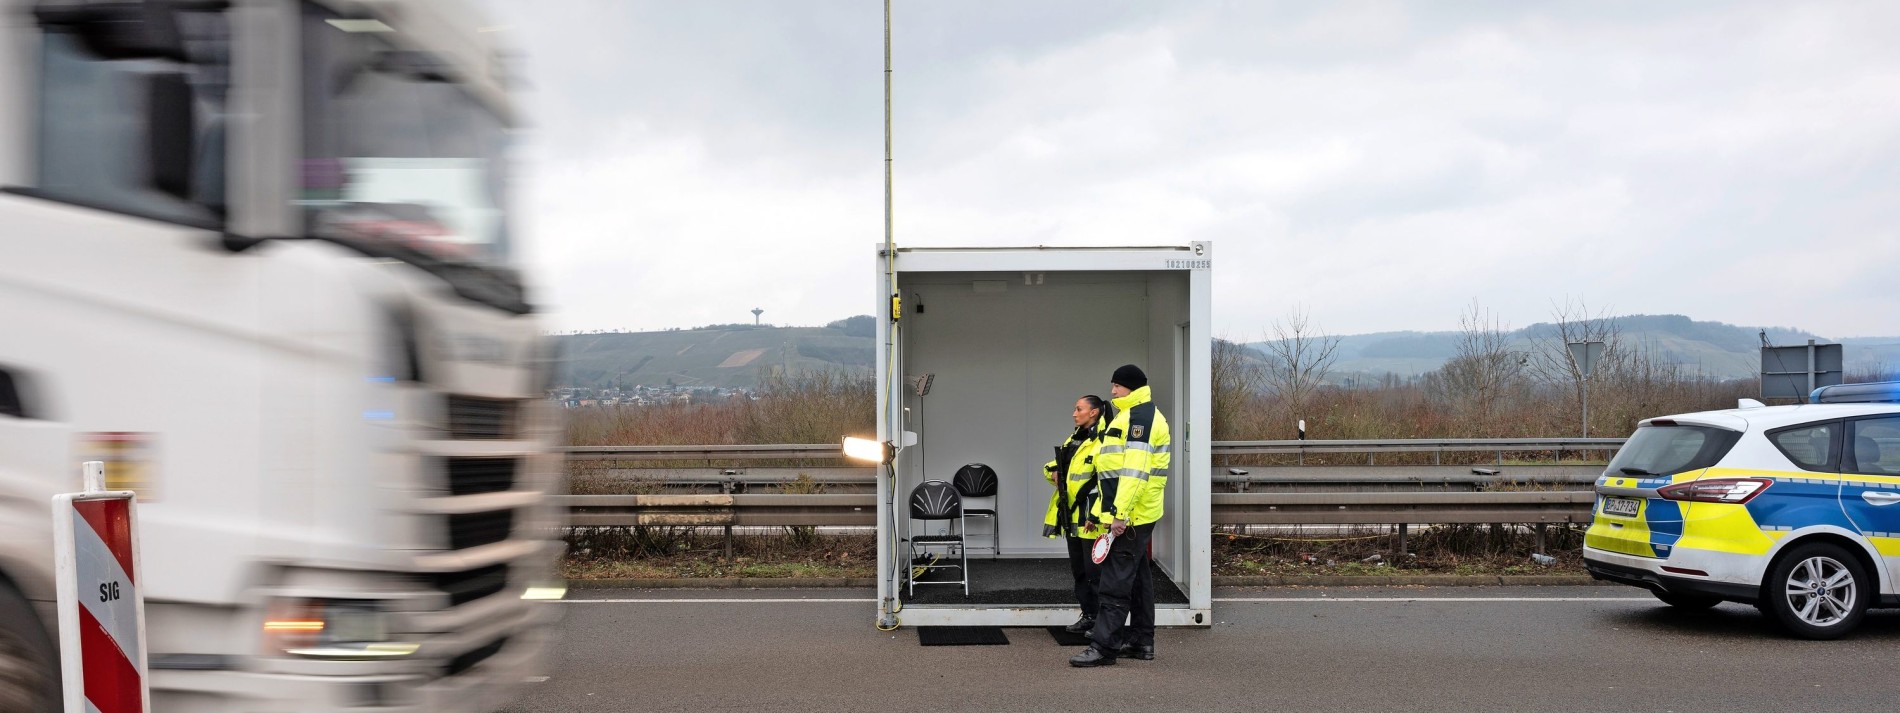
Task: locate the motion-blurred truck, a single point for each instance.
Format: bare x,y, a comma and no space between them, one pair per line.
254,255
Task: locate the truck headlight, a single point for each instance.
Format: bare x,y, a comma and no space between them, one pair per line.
331,629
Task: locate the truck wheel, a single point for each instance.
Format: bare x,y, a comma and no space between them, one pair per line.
29,665
1688,602
1817,591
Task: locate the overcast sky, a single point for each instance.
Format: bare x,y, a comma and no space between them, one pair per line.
1383,164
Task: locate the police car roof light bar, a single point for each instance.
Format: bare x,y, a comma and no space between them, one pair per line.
1868,393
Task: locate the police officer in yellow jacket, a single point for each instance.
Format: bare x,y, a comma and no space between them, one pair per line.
1132,467
1071,506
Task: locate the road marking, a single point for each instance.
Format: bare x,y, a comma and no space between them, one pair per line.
708,601
1433,599
1217,599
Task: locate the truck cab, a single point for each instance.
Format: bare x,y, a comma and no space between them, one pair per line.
259,260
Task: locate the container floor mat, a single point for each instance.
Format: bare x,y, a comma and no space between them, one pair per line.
1064,638
962,636
1016,582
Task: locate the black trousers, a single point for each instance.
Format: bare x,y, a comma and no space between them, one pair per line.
1086,573
1126,593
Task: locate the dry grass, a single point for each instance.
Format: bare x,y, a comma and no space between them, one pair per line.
660,553
1447,549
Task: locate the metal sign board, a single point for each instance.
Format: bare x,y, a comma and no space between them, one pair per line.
1794,372
101,608
1585,354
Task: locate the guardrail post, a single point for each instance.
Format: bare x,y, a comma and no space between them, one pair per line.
1540,538
1402,528
727,488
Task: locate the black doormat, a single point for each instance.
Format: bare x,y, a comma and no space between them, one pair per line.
1064,638
961,636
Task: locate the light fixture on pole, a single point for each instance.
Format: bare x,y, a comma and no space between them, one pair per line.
869,450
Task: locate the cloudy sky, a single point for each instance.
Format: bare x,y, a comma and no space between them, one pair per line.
1383,164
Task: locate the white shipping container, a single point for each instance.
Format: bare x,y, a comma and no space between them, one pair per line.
1010,338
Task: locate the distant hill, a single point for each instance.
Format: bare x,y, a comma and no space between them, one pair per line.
1713,348
725,355
731,355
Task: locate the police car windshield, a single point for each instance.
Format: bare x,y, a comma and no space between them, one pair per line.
1666,450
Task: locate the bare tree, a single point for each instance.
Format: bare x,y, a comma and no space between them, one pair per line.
1236,373
1300,355
1484,374
1573,322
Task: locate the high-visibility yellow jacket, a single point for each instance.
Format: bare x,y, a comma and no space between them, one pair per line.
1133,461
1079,485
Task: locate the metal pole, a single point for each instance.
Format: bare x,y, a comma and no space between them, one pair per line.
1585,385
1810,369
890,242
887,515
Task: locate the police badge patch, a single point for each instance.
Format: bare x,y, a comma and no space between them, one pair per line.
1135,431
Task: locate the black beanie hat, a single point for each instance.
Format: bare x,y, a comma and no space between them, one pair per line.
1129,376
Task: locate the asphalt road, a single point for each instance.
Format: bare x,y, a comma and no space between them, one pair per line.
1282,649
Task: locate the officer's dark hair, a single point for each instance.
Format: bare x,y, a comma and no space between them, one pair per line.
1096,402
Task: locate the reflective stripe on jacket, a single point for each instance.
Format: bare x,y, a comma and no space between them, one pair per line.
1080,486
1133,461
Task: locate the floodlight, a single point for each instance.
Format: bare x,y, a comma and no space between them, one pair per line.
865,449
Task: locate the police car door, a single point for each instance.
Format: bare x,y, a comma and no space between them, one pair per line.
1870,483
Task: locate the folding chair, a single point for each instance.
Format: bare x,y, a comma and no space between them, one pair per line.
977,480
932,501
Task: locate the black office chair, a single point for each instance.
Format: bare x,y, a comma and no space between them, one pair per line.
930,501
977,480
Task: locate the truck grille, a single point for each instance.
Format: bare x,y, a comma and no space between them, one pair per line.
469,476
470,658
478,419
480,528
465,587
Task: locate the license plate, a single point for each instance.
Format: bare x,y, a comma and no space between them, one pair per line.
1624,507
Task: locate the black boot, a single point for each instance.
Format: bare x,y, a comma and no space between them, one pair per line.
1133,651
1091,656
1080,626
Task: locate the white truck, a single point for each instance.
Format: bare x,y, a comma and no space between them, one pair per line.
254,255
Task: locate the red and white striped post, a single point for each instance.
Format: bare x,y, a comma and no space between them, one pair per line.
101,611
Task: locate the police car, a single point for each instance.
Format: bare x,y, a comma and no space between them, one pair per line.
1793,509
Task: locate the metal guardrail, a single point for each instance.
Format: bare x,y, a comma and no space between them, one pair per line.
829,451
1549,506
794,451
719,510
1279,506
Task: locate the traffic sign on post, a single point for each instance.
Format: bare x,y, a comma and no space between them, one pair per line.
1586,355
101,610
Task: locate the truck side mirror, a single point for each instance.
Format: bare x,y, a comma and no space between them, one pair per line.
171,115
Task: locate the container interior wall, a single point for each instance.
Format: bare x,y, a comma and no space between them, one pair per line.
1009,360
1167,354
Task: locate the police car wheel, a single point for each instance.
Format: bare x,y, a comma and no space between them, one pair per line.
1817,591
1687,602
29,665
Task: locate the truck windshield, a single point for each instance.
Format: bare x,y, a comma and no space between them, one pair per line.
394,151
1667,450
